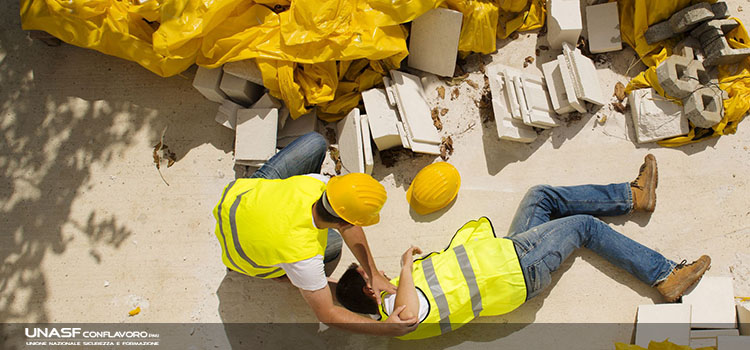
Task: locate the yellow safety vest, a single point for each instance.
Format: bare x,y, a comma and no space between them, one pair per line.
477,275
261,223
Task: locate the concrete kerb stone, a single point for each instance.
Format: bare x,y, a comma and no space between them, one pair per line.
658,32
687,18
704,107
678,78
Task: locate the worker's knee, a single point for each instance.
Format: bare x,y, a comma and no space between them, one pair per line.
315,143
538,192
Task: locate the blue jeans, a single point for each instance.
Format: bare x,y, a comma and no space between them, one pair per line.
552,222
304,155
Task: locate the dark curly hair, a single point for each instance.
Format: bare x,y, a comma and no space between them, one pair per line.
350,292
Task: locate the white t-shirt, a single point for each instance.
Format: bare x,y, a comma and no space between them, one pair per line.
424,306
308,274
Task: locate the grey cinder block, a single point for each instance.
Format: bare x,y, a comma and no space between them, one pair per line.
677,76
658,32
720,10
704,107
689,17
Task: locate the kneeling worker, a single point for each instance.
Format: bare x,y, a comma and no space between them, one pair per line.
481,275
278,221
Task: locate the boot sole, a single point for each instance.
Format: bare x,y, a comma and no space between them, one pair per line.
652,189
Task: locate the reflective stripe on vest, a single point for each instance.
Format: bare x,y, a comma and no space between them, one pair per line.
437,293
236,239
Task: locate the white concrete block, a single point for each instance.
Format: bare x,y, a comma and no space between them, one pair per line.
654,117
295,128
405,142
382,119
367,144
508,128
416,114
350,143
240,90
390,93
256,130
733,343
556,87
245,69
603,26
538,105
268,101
227,114
564,22
569,85
707,337
743,317
712,299
663,321
208,82
585,78
426,148
433,43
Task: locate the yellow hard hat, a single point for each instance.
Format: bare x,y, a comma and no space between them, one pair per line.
356,198
434,187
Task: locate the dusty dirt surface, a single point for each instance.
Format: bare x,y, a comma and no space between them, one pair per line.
90,231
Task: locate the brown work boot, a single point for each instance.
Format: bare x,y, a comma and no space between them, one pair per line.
683,277
644,186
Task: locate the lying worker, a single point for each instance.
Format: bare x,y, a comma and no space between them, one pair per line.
481,275
278,221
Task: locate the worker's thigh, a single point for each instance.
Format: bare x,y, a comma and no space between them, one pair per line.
544,247
304,155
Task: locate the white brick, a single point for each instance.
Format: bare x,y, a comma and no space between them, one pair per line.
743,317
207,82
404,136
564,22
538,106
655,118
603,26
733,343
712,299
662,321
245,69
256,129
426,148
433,43
556,87
350,143
367,144
707,337
583,72
569,85
697,343
416,115
295,128
268,101
382,119
240,90
509,128
227,114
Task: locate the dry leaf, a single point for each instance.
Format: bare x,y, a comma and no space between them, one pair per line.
455,93
135,311
514,36
334,152
446,147
537,52
331,135
436,119
441,92
443,111
619,91
472,84
619,107
162,154
529,60
457,80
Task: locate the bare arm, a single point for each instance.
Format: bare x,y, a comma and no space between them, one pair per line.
406,294
321,302
355,239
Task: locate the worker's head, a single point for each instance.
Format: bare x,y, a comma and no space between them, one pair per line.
354,294
354,198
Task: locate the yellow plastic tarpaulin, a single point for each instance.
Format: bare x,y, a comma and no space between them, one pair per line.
304,49
636,16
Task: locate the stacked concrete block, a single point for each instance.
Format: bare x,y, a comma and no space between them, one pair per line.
712,301
539,111
569,86
564,22
350,143
555,85
663,321
227,114
691,48
382,119
603,26
678,75
366,144
584,77
508,98
415,113
240,90
268,101
245,69
255,140
715,45
658,32
207,82
508,128
687,18
701,338
433,43
704,107
295,128
733,343
654,117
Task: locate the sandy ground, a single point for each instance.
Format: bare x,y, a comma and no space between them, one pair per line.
90,231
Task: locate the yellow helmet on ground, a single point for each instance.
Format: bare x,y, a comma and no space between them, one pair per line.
434,187
356,198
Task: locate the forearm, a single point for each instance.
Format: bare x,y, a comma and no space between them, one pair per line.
342,318
355,239
407,293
